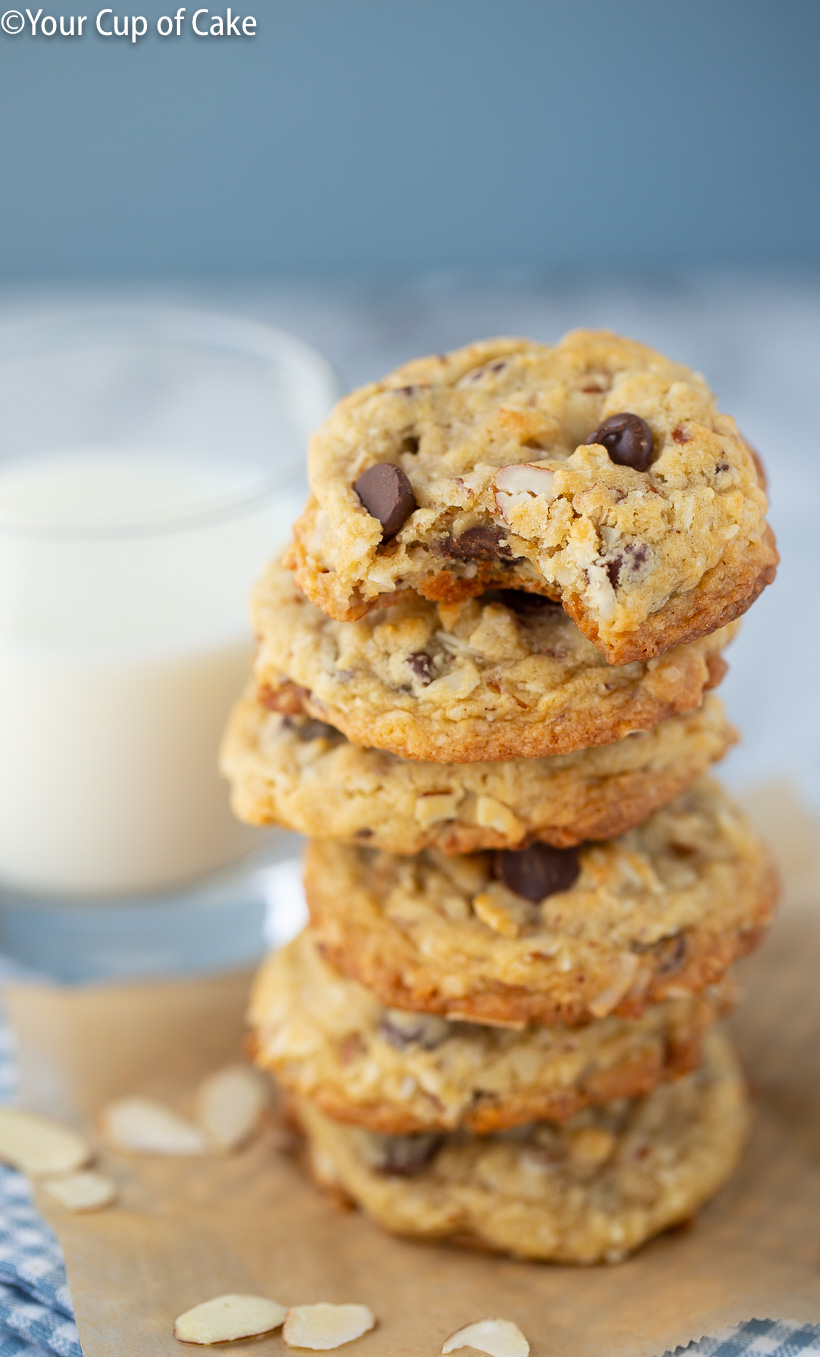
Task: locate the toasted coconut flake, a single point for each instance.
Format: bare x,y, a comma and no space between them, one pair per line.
322,1326
496,1337
147,1127
226,1319
603,1004
39,1146
229,1104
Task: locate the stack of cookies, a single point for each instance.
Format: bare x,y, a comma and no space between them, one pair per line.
484,690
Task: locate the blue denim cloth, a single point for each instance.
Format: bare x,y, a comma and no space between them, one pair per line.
36,1318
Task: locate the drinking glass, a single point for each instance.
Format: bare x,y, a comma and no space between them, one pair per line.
151,461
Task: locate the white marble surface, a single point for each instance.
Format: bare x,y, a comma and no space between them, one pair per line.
756,339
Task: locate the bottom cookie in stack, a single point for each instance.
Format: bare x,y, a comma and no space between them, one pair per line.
590,1191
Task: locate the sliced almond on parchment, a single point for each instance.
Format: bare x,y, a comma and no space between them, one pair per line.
226,1319
229,1104
85,1191
39,1146
496,1337
322,1327
147,1127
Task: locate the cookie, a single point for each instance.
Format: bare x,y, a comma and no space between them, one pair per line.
549,935
595,471
303,774
502,676
329,1039
588,1192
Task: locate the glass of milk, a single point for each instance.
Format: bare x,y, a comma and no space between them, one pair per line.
151,461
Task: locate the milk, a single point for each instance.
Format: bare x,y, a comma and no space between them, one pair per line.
124,578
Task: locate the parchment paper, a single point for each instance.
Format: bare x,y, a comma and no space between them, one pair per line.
186,1230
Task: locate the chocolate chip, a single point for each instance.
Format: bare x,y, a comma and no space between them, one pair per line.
671,954
628,440
307,730
527,605
404,1156
413,1029
537,871
387,495
422,666
632,556
483,543
613,570
478,373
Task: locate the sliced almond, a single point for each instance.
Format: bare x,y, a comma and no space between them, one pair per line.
39,1146
321,1327
496,1337
492,814
146,1127
515,484
88,1191
431,807
229,1104
591,1146
226,1319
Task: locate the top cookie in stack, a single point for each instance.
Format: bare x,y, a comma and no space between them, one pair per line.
595,472
484,669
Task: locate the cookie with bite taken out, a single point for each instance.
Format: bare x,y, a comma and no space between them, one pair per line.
595,471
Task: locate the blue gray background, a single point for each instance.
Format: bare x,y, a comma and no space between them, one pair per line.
405,134
387,178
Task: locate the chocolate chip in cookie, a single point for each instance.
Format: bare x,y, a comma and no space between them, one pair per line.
307,729
422,666
387,495
671,954
524,604
482,543
628,440
537,871
632,557
404,1156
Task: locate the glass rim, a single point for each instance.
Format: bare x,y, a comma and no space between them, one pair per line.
25,334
